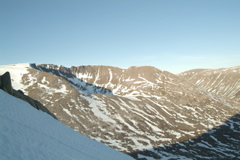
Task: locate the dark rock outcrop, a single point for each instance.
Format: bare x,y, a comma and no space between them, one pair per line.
6,85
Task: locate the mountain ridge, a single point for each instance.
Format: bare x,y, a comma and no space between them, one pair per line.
145,107
222,82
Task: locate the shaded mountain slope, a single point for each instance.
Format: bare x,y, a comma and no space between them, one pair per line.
221,142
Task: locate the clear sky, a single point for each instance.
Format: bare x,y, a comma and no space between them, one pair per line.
172,35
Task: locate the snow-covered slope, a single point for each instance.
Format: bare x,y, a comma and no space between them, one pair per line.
27,134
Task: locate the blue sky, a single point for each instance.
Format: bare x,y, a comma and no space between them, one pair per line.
172,35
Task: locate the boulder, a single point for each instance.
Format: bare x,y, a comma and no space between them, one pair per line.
6,83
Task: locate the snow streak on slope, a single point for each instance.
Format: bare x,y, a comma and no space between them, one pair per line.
222,82
27,134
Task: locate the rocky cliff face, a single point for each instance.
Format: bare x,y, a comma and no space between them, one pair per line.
131,110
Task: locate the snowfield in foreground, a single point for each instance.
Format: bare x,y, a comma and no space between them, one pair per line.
27,134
